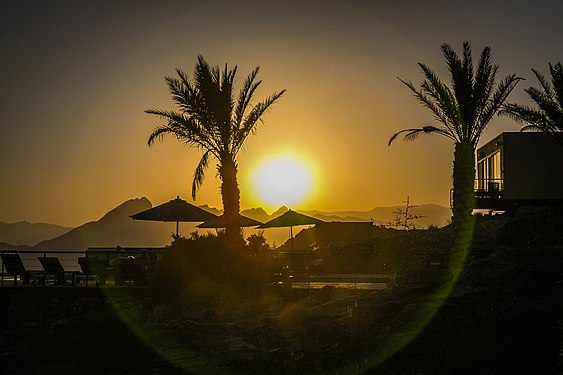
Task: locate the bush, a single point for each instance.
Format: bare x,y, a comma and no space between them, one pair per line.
200,268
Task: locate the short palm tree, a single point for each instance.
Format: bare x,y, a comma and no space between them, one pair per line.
463,110
209,118
548,116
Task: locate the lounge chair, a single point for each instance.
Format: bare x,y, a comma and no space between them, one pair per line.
13,266
52,266
92,267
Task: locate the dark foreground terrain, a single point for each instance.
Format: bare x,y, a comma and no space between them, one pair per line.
503,316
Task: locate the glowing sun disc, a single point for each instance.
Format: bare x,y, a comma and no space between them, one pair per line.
282,180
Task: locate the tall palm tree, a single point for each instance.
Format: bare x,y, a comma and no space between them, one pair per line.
463,110
210,119
548,116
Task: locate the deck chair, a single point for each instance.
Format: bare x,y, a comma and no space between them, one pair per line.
13,265
52,266
92,267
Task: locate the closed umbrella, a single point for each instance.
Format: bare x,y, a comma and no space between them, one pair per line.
290,219
177,210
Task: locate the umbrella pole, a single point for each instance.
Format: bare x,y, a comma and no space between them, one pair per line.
291,236
177,226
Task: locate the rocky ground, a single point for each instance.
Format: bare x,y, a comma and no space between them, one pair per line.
504,315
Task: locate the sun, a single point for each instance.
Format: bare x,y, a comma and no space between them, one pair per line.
282,180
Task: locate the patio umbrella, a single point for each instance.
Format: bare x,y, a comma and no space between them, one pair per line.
176,210
219,222
290,219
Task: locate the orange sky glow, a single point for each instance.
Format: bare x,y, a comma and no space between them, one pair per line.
76,79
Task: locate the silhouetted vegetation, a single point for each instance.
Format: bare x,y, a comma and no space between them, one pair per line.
206,269
503,315
404,218
464,111
209,118
548,114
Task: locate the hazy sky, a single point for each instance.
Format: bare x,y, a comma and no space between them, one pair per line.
76,77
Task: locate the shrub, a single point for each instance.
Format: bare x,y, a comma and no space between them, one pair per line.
200,268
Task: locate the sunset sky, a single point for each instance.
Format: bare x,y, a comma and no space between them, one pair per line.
76,77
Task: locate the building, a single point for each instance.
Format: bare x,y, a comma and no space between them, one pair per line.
336,247
519,168
338,237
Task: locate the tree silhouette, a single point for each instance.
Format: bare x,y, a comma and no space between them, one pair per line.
464,111
404,217
548,115
210,119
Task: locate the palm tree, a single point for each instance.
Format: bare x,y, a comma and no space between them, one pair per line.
548,116
208,118
463,111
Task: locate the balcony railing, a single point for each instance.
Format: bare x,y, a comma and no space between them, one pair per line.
485,189
492,188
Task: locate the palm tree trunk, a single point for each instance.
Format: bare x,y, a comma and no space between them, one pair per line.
231,199
463,203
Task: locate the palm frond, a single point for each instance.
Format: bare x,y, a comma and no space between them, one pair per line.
185,129
546,104
493,106
432,101
181,90
465,108
199,173
413,133
158,134
546,86
250,121
522,114
394,136
245,95
188,98
484,79
532,127
557,81
443,97
548,115
461,72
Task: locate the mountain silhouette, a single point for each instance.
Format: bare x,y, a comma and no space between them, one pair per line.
26,233
114,228
256,214
213,210
9,246
431,215
280,211
117,228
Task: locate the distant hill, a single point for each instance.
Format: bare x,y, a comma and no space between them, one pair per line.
432,215
280,211
117,228
8,246
25,233
256,214
213,210
114,228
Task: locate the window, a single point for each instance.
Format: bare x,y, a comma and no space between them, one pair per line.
489,176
